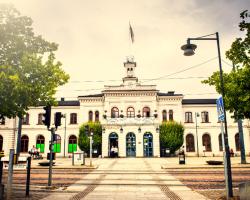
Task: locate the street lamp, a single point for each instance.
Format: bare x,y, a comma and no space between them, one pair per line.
64,144
196,130
189,51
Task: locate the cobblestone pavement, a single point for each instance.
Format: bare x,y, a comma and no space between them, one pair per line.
210,182
130,178
133,178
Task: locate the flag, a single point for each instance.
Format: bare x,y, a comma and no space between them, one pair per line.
131,33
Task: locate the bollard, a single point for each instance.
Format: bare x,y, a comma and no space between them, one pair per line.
10,175
73,157
28,176
1,185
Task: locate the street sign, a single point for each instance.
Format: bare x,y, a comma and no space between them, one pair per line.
220,109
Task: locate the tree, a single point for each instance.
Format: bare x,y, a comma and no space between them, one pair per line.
171,135
237,82
83,140
29,72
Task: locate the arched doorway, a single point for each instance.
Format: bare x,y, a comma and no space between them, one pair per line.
24,143
190,143
113,142
148,144
130,145
40,143
72,144
57,144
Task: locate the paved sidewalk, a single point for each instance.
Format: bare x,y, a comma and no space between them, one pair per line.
127,178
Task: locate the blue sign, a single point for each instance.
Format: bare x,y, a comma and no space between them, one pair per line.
220,109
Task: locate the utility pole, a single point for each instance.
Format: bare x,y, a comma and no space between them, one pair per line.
50,156
90,145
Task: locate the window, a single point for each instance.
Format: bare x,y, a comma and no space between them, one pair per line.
130,112
164,115
237,141
206,141
72,145
2,121
40,141
97,116
146,112
188,117
26,119
171,115
57,144
24,143
204,117
90,116
190,143
220,142
114,112
1,143
40,119
73,118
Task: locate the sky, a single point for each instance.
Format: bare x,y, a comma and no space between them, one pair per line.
94,41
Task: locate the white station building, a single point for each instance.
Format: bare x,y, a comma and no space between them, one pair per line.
130,114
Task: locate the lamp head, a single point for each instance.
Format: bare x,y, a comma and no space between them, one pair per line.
188,48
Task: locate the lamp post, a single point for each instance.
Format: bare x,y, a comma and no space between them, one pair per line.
196,130
189,51
65,128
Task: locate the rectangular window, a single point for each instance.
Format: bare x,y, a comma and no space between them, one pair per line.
2,121
26,119
73,118
188,117
40,119
204,117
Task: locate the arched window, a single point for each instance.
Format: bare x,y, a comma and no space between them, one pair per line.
1,143
171,115
114,112
26,119
130,112
237,141
164,115
206,141
220,142
73,118
97,116
40,119
57,144
190,143
188,117
90,116
72,145
146,112
40,141
24,143
204,117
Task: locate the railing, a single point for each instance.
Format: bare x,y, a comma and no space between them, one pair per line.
128,120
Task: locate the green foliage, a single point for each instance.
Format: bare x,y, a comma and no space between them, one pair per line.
83,140
29,72
171,135
237,82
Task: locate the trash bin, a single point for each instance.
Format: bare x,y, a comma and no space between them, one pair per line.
182,159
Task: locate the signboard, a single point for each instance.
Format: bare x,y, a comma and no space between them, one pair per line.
220,109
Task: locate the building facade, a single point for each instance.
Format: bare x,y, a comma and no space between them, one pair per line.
130,114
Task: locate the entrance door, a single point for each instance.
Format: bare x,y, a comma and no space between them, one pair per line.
113,143
130,145
148,144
